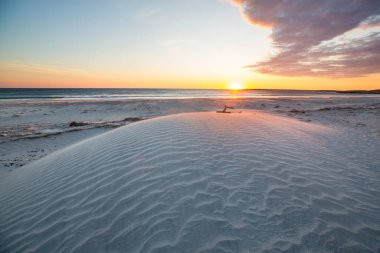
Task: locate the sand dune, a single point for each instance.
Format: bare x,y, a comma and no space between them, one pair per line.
196,182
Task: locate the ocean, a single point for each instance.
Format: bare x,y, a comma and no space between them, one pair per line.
109,94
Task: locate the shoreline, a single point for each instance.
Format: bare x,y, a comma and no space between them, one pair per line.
354,95
31,126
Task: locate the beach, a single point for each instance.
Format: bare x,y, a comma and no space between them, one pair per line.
275,174
31,129
201,182
230,126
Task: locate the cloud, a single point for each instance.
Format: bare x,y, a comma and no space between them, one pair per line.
43,69
148,14
329,38
175,45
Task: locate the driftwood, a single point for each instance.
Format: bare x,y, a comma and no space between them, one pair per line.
225,109
77,124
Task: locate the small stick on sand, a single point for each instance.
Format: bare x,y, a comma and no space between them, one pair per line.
225,109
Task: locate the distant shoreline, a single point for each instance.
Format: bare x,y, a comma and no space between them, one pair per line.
361,91
376,91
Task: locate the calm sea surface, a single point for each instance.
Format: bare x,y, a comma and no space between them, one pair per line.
109,94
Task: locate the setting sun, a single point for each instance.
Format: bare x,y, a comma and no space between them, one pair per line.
235,86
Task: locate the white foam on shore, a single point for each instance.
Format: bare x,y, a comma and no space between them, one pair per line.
197,182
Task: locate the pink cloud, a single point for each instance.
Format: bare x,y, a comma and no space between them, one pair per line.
330,38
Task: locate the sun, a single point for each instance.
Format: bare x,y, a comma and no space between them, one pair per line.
235,86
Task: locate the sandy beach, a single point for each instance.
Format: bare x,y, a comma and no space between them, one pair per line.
274,175
199,182
30,130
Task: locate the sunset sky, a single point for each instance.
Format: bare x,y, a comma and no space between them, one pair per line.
294,44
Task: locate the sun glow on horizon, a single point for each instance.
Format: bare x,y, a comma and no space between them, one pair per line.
235,86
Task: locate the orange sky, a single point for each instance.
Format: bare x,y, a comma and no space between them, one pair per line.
43,77
190,44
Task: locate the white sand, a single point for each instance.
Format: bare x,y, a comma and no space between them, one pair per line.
35,128
198,182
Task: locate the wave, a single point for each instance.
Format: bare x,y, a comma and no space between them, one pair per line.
133,94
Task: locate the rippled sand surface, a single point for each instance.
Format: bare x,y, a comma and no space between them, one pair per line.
197,182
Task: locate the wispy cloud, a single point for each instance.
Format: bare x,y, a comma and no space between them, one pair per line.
44,69
330,38
148,13
175,45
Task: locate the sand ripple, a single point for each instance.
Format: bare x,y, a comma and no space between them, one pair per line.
202,182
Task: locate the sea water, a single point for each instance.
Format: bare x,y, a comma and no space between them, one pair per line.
110,94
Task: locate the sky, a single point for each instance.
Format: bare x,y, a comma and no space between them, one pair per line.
262,44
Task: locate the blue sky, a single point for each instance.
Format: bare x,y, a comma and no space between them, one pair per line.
190,43
194,38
